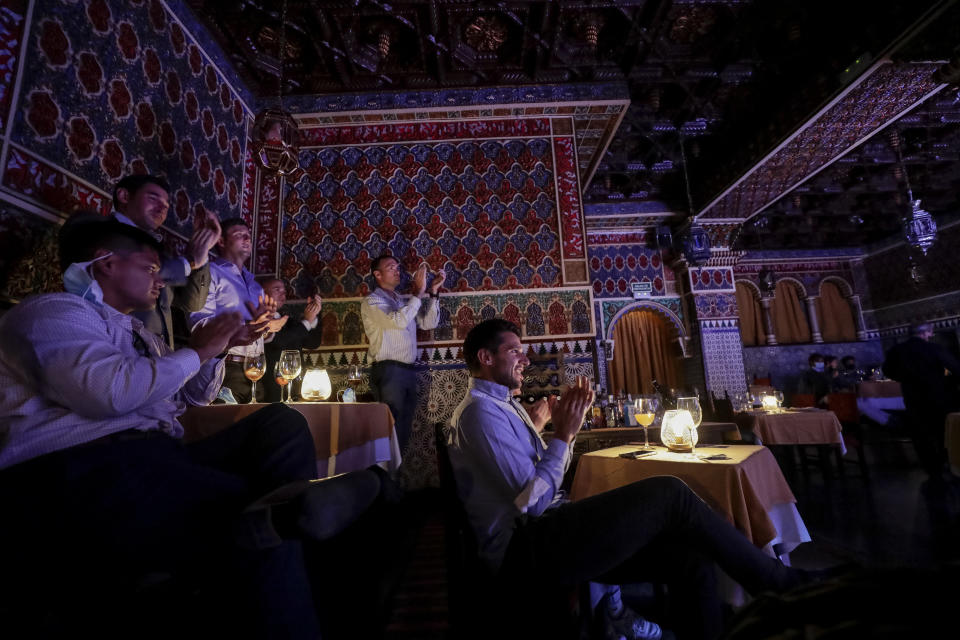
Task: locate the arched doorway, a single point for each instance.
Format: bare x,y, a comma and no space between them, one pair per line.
645,348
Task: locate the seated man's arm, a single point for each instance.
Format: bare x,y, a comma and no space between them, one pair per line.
78,367
498,456
202,389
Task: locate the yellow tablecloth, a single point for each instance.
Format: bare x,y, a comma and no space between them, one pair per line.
796,426
336,428
746,489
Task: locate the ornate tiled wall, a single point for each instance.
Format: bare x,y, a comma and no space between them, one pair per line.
618,259
809,271
110,88
494,214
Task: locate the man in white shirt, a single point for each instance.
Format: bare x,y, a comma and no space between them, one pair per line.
390,321
143,201
234,289
97,488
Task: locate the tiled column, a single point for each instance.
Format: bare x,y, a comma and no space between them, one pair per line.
767,303
858,317
812,319
715,317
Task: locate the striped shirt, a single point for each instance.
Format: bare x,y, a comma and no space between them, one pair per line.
72,371
502,466
390,321
230,288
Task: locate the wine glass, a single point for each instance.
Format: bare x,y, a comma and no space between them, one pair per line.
692,404
779,396
645,411
290,366
254,366
353,375
279,379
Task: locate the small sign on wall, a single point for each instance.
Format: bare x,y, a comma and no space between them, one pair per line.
641,289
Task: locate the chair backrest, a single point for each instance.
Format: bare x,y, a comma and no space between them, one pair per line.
723,408
844,406
803,400
763,382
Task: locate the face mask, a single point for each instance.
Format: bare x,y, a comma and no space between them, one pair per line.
78,281
818,366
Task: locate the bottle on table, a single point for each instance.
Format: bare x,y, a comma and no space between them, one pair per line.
612,419
667,398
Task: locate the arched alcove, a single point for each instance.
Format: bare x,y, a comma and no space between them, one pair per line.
752,332
790,323
646,340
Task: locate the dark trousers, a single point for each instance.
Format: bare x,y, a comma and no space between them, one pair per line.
652,530
238,384
86,523
395,384
927,425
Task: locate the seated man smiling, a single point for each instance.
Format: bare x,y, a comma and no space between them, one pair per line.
532,538
98,489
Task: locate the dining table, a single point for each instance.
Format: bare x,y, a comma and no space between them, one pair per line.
347,436
876,398
801,426
745,486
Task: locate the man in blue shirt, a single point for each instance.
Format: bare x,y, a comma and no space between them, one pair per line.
531,537
234,289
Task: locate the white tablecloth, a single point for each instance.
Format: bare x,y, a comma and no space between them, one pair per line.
876,408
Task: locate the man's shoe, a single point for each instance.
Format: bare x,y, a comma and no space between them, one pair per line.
630,626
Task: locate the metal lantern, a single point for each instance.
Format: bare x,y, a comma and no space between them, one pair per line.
768,281
920,229
696,244
276,142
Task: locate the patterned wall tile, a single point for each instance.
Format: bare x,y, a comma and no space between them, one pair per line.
123,89
614,267
711,279
13,14
487,212
28,255
723,359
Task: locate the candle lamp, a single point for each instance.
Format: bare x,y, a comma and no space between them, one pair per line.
316,385
678,432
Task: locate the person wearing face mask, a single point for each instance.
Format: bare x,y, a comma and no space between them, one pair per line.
814,380
143,201
98,489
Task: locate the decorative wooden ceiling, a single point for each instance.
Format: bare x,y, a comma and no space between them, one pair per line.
719,84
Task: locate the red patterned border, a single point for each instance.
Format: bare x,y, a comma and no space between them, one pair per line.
267,218
426,131
616,239
49,186
249,186
568,193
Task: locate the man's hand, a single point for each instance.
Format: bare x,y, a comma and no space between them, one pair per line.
438,278
570,409
276,324
214,337
420,280
203,240
264,311
312,310
541,410
247,334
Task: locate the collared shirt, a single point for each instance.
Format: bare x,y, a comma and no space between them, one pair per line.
502,466
230,287
390,321
71,372
159,237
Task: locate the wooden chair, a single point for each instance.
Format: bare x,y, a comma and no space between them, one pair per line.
798,400
844,406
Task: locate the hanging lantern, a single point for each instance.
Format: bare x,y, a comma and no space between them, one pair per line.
696,244
275,141
768,281
920,229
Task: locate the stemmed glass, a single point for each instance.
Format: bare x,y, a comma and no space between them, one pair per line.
645,411
290,366
779,396
279,379
692,405
254,366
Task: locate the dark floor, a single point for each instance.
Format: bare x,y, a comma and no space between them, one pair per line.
885,521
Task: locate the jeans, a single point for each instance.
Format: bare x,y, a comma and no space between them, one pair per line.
652,530
396,386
